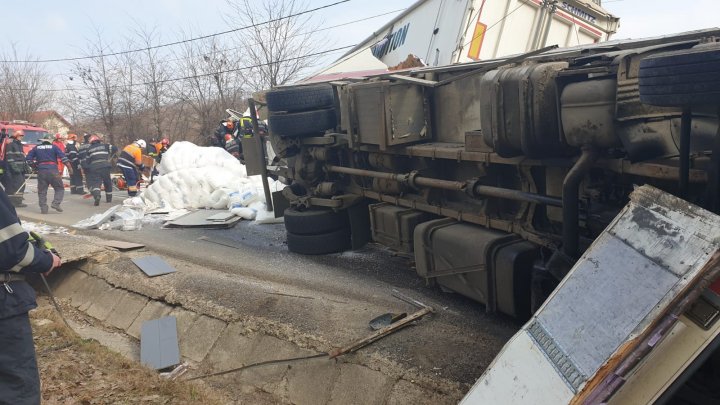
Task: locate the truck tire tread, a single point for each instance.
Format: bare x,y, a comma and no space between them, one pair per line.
302,124
296,99
320,244
315,221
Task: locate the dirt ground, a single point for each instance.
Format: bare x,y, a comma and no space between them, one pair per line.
79,371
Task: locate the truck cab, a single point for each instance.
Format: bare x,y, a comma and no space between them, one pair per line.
33,132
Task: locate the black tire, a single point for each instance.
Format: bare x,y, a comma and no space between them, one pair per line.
315,221
681,78
324,243
308,123
304,98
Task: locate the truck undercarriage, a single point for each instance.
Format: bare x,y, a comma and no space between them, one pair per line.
497,175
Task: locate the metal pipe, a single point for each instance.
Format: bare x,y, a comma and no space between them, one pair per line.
685,130
477,189
261,153
571,199
402,178
516,195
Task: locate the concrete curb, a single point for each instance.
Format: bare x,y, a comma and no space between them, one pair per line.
216,345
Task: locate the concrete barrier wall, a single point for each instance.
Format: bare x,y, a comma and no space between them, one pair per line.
213,344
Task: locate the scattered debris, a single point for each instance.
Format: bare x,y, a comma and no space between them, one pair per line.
381,333
159,347
153,265
44,229
176,373
220,240
200,219
384,320
121,246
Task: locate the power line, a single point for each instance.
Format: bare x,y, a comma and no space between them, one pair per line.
193,76
176,42
291,36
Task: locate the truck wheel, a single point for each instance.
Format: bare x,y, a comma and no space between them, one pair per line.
320,244
308,123
315,221
295,99
681,78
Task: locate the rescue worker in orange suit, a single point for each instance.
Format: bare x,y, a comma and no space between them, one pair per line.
97,168
73,155
15,168
131,164
45,156
161,147
19,377
59,142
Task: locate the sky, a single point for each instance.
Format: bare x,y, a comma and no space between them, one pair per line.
50,29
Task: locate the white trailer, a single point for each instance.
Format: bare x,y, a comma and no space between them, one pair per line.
443,32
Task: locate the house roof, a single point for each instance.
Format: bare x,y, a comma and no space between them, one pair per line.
38,117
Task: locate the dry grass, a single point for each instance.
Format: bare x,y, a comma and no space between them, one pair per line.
77,371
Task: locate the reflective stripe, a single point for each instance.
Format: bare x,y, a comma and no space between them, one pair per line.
29,256
10,231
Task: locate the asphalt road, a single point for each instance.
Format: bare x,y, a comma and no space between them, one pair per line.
369,274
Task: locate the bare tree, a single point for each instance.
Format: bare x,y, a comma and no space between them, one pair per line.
211,82
155,74
130,101
100,79
278,45
23,85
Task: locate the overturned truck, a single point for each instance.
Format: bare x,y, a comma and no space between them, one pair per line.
497,175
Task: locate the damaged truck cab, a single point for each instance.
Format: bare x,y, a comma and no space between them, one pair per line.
497,175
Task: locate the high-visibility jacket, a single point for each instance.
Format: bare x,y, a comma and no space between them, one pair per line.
71,151
17,255
97,156
15,157
131,157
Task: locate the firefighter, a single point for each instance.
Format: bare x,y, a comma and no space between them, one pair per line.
131,164
232,145
225,127
19,377
97,165
161,147
76,178
164,143
45,157
15,169
82,155
151,149
60,143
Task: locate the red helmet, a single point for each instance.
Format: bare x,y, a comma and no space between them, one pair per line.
58,136
228,137
165,141
72,137
94,138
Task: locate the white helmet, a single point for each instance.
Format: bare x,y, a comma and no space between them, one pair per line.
141,143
